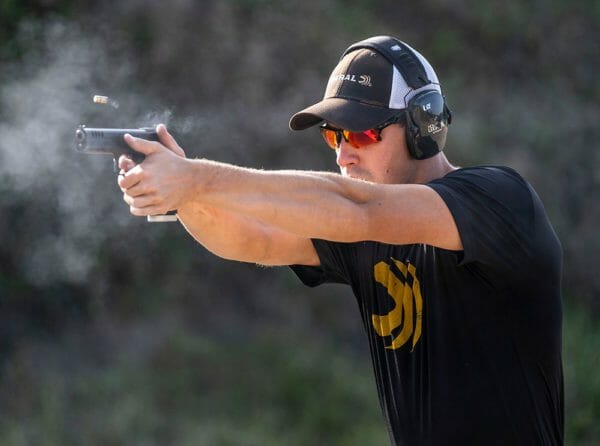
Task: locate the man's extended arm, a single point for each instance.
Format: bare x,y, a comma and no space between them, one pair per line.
305,204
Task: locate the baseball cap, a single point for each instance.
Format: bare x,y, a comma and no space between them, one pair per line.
364,90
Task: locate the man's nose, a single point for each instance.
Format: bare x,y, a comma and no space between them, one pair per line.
346,154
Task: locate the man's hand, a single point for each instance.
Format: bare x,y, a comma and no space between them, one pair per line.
157,185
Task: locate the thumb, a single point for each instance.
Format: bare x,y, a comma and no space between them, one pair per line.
142,145
167,139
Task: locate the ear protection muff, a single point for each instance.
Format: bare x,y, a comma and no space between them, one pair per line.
427,120
427,115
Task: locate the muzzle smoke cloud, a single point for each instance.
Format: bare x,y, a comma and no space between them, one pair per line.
43,97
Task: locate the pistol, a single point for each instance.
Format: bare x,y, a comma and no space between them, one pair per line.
106,141
98,141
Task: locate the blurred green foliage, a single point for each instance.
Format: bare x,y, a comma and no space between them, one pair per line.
117,332
13,13
195,390
582,380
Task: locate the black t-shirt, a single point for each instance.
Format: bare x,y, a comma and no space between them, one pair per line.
466,345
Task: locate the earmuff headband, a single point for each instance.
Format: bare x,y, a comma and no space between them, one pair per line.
399,55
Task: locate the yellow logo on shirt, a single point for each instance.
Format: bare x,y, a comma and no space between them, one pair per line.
405,319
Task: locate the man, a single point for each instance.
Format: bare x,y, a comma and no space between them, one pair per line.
456,270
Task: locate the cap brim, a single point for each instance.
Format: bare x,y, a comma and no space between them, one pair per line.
346,114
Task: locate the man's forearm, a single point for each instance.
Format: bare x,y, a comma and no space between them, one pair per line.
308,204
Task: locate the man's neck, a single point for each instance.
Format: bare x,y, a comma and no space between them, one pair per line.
432,168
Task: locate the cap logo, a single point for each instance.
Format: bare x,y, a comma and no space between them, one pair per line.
396,48
363,79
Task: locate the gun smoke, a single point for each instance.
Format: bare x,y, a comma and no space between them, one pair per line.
43,97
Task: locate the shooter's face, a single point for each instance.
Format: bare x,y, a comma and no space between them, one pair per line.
385,162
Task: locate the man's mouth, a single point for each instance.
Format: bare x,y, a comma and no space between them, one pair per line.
356,174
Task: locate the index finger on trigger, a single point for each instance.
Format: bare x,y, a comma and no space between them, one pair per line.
126,163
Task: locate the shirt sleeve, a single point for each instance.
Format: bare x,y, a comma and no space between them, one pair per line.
494,212
333,268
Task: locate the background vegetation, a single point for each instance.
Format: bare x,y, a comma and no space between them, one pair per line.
114,331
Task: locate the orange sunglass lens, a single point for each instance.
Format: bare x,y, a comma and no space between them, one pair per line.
330,137
361,139
356,139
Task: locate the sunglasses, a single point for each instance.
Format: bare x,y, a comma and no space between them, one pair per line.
333,136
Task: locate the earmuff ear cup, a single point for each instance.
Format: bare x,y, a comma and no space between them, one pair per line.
427,119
